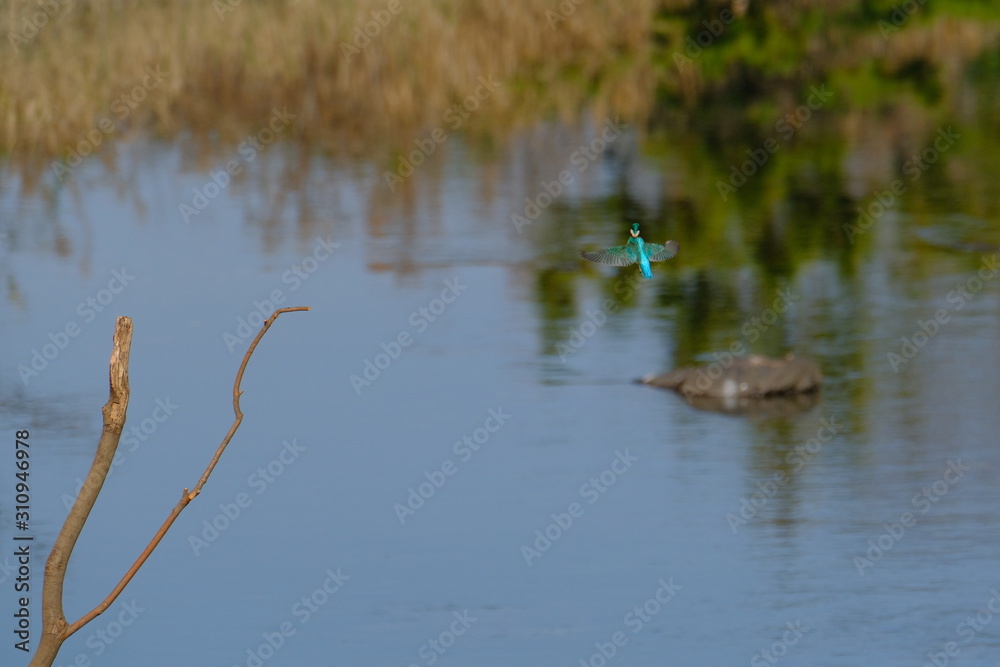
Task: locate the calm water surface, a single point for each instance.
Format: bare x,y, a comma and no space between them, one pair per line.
498,492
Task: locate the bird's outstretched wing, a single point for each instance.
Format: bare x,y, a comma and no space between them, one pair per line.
659,253
617,256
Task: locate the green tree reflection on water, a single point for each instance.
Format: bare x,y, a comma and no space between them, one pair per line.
799,148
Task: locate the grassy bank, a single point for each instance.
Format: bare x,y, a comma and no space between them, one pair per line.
352,72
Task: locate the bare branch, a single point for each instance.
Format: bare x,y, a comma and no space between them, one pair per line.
55,628
53,619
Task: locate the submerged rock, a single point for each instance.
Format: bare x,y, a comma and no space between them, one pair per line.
752,377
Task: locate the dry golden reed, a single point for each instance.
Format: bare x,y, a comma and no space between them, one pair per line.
353,72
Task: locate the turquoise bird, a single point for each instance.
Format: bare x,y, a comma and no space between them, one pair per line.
636,250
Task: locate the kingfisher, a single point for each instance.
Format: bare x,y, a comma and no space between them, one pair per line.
636,250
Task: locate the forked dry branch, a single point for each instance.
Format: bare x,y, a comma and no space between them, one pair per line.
55,628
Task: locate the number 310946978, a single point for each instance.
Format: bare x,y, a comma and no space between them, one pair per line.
22,458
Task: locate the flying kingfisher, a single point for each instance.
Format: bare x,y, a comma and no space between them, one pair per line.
636,250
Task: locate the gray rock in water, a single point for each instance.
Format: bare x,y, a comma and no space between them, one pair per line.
745,377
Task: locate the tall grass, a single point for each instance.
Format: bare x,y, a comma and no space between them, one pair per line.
226,67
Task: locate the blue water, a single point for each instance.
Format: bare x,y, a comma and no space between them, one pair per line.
647,559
